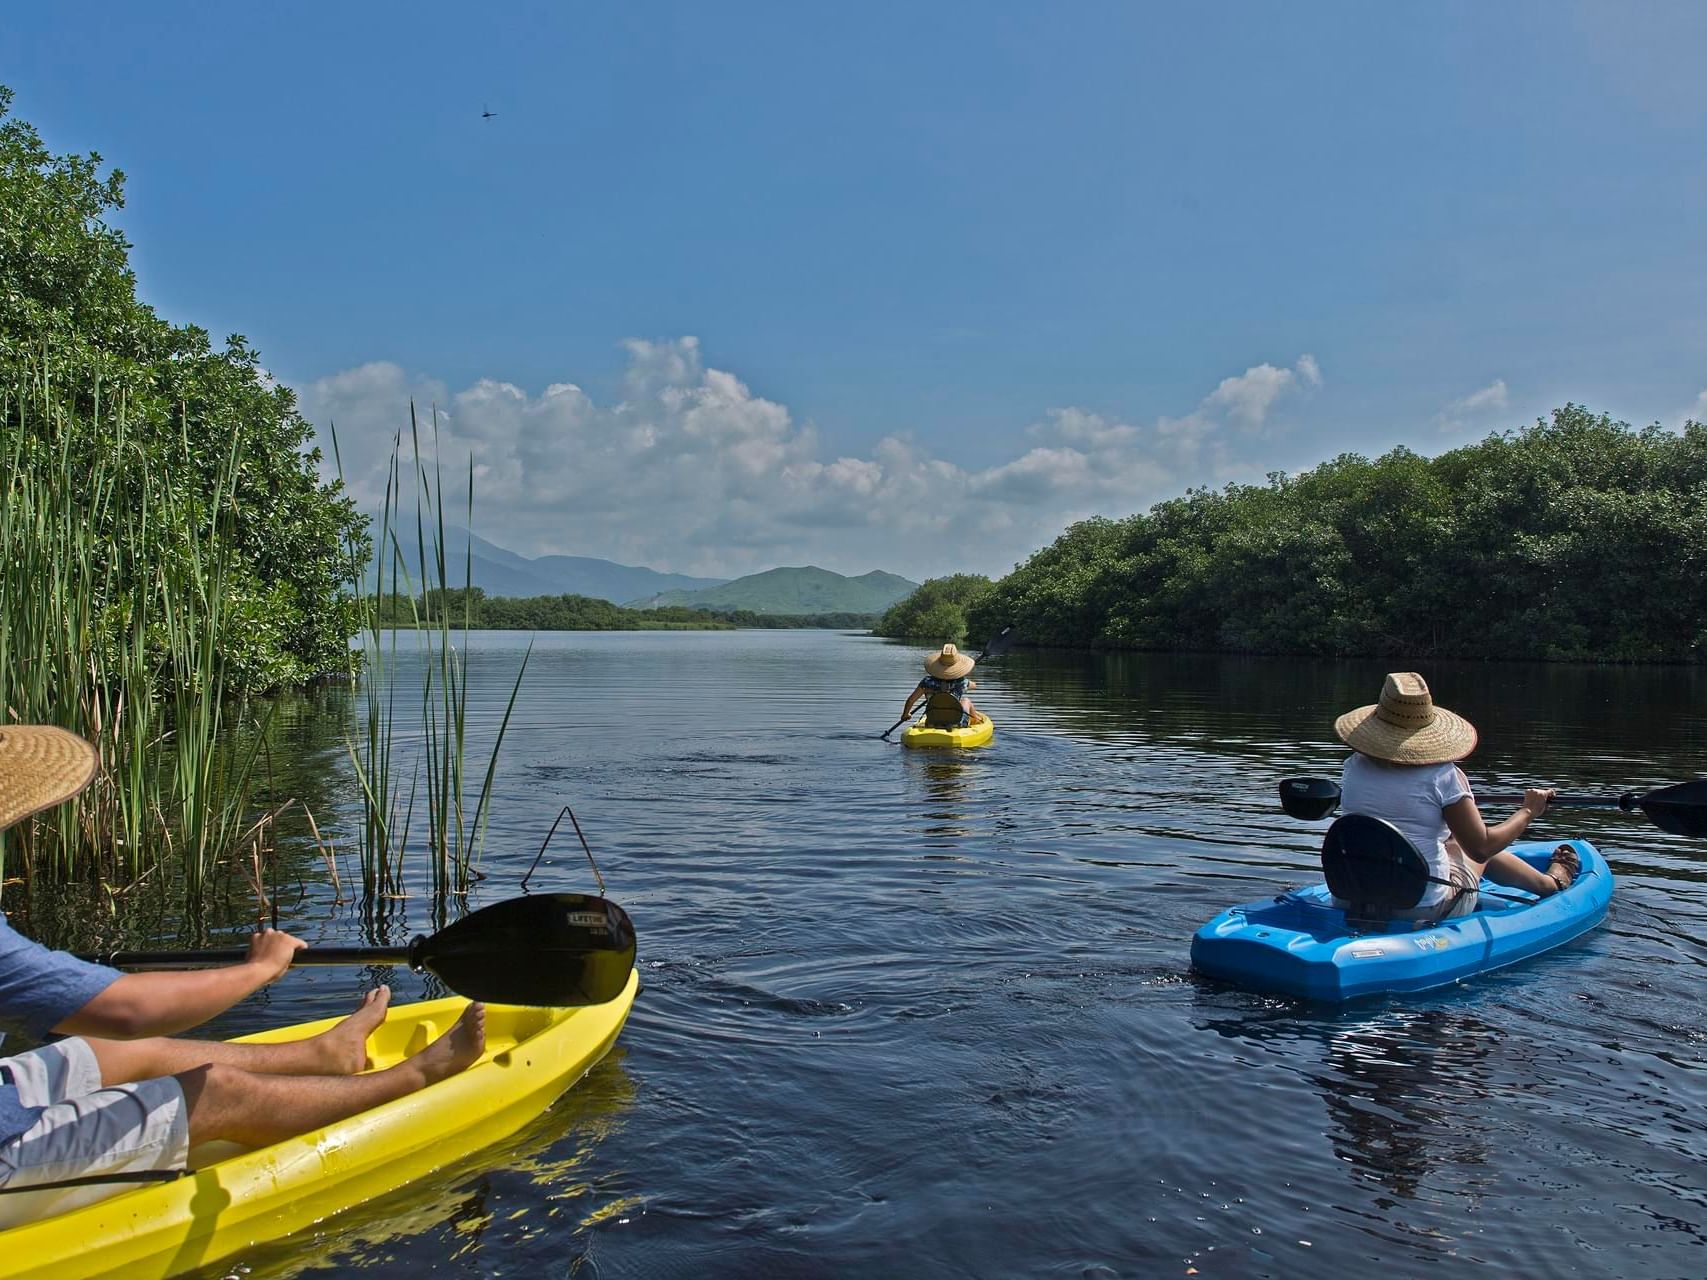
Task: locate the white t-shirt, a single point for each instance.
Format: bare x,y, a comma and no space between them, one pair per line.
1411,797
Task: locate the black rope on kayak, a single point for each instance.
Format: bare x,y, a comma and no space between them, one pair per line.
590,862
98,1179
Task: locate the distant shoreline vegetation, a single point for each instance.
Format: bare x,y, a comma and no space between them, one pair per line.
936,611
473,608
1576,539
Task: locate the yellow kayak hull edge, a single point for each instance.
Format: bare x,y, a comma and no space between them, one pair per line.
235,1198
970,735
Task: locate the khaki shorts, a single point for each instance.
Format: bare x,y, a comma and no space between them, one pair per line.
86,1130
1460,900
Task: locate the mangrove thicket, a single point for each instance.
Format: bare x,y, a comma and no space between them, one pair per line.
1577,538
167,545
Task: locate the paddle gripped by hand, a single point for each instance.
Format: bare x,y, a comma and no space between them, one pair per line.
1680,809
547,949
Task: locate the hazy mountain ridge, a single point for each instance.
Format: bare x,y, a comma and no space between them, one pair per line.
803,589
499,571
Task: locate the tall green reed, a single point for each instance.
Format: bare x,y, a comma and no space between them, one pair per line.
116,608
114,614
454,838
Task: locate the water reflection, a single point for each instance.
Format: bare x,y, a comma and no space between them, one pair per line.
858,1044
551,1182
943,795
1646,725
1401,1091
1403,1088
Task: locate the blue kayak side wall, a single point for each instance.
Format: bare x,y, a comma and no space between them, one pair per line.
1299,943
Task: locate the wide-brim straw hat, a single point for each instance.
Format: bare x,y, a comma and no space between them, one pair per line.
950,664
1405,727
41,766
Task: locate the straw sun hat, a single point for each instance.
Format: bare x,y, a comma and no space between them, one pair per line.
40,766
1405,727
950,664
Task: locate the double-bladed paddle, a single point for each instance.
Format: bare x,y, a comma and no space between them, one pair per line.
1680,809
1000,644
550,949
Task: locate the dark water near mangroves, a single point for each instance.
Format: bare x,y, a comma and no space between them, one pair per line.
912,1013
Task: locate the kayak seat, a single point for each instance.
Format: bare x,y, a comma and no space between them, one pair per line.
943,711
1373,868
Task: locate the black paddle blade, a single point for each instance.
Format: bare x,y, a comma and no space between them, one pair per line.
999,644
1309,798
551,949
1679,809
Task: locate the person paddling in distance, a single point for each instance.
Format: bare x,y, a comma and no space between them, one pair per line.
947,672
117,1096
1405,770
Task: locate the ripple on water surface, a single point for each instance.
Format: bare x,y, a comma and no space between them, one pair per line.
908,1013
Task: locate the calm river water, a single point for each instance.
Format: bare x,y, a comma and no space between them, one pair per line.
921,1014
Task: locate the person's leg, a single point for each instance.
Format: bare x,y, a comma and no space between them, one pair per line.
1505,868
84,1131
236,1105
340,1051
1512,871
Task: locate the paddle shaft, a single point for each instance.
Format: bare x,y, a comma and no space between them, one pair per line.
903,720
208,958
547,950
1630,801
1626,802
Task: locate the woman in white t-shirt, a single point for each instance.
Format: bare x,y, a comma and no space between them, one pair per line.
1405,771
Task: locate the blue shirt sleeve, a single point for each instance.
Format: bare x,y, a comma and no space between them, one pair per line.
40,987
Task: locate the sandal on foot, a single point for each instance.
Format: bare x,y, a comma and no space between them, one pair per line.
1565,860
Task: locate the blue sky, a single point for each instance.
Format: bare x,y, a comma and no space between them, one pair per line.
953,274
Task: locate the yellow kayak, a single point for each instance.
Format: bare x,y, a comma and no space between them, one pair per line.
234,1198
967,735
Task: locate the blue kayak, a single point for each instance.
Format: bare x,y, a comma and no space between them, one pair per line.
1299,943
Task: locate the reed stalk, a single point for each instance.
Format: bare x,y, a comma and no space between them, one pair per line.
117,612
454,841
113,622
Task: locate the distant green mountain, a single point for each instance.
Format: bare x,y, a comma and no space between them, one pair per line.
796,591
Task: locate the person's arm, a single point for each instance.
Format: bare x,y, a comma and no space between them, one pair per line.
161,1004
912,700
1480,841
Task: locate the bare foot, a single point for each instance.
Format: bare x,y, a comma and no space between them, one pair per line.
345,1045
456,1050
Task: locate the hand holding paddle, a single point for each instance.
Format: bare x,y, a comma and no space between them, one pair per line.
1680,809
1000,644
549,949
903,720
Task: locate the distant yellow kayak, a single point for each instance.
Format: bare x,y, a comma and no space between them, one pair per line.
235,1199
967,735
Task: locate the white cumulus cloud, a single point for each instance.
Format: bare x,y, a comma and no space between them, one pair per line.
692,471
1460,412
